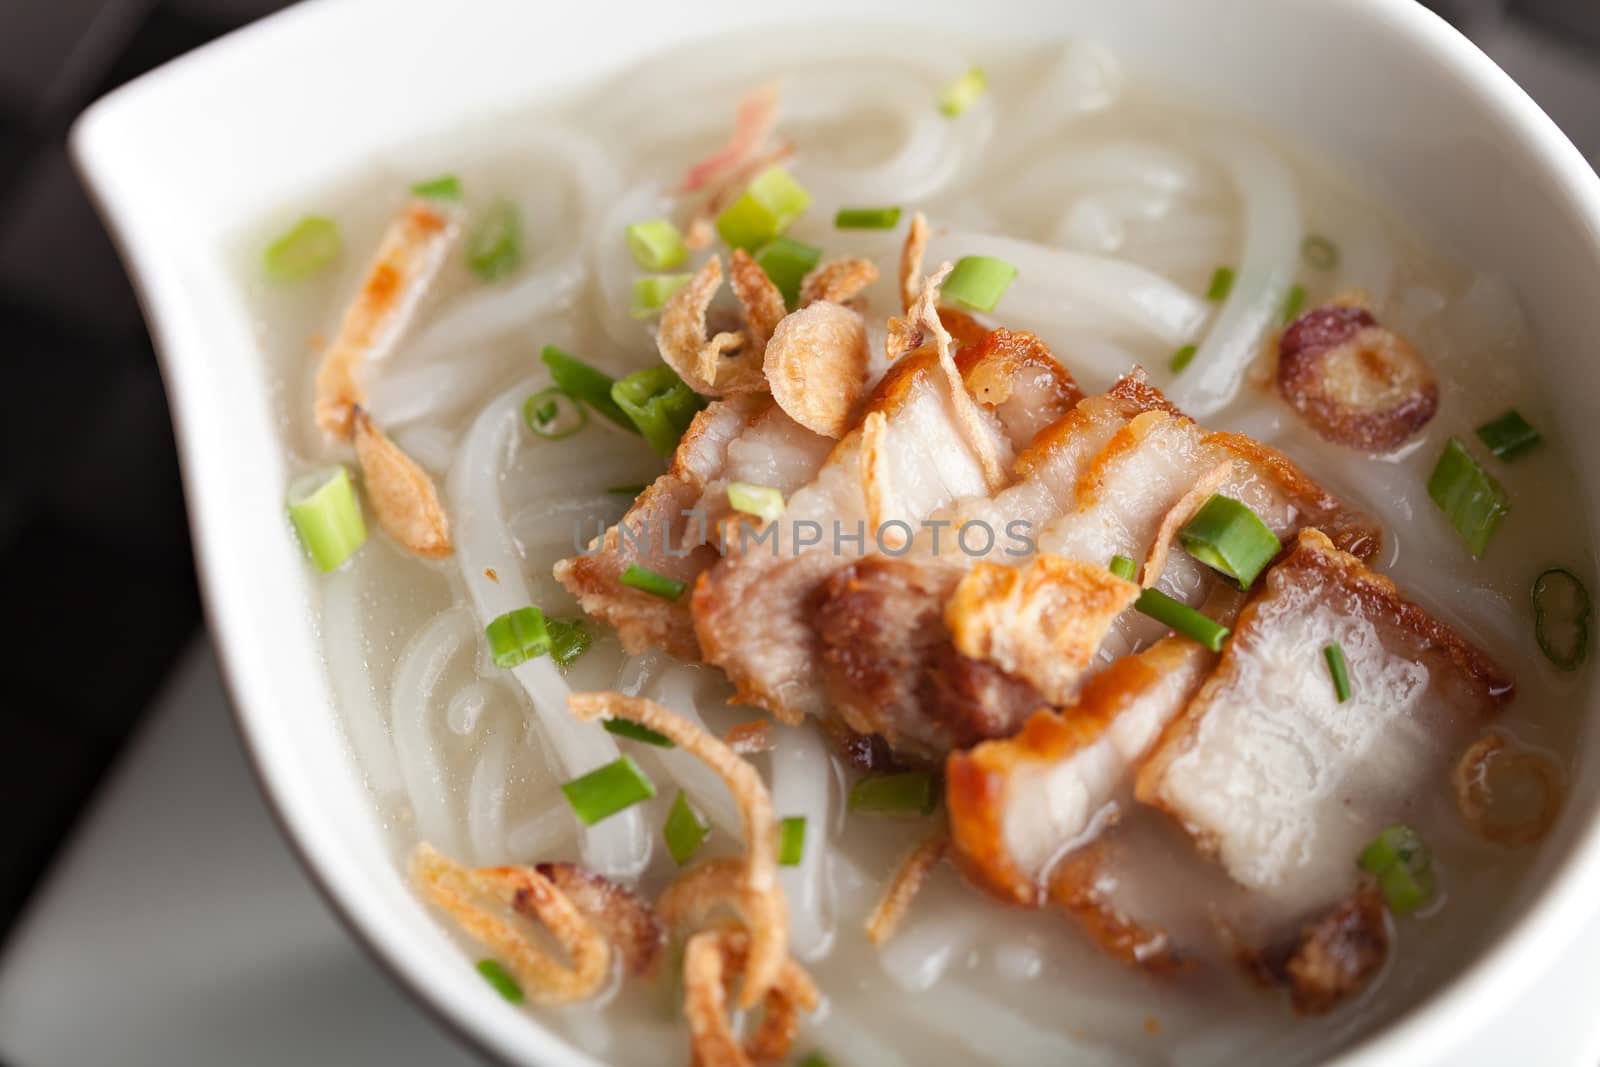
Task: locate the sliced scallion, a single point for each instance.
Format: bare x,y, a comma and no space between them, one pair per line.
648,581
791,840
815,1059
684,830
495,248
327,516
1469,497
502,982
569,639
659,404
517,636
959,95
909,793
651,293
1124,568
1221,284
444,187
307,247
656,245
867,218
787,262
553,415
762,501
1338,670
1319,252
1228,537
1182,618
1292,303
769,204
979,281
635,732
1508,436
1561,611
582,382
1183,357
1400,861
604,791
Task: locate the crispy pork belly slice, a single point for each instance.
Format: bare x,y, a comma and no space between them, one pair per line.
741,438
1276,778
887,661
1020,804
1016,376
879,622
911,455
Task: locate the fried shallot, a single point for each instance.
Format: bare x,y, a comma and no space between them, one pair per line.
462,892
712,960
402,495
1488,767
902,889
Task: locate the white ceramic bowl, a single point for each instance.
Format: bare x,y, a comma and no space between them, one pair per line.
183,157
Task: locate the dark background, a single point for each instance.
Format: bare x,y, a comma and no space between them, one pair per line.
96,576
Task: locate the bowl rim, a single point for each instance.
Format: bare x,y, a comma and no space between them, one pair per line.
1524,949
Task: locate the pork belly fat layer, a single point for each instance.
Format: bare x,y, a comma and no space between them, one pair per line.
1279,780
1020,804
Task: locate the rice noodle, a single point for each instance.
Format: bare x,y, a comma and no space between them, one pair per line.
1272,234
345,644
620,846
416,678
486,796
1048,277
804,784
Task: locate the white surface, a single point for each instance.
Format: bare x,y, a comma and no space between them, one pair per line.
1380,86
177,929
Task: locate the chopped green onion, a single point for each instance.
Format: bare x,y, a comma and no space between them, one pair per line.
659,404
1338,670
1471,499
979,281
762,501
1221,284
1228,537
651,293
517,636
1320,252
769,204
656,245
791,840
1292,303
683,830
327,516
867,218
648,581
553,415
1183,357
627,490
1508,436
1124,568
444,187
569,639
910,793
1182,618
958,96
582,382
308,246
815,1059
495,248
1403,868
787,262
607,790
635,732
1561,611
503,983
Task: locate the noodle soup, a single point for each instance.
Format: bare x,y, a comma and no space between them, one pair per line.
1142,234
